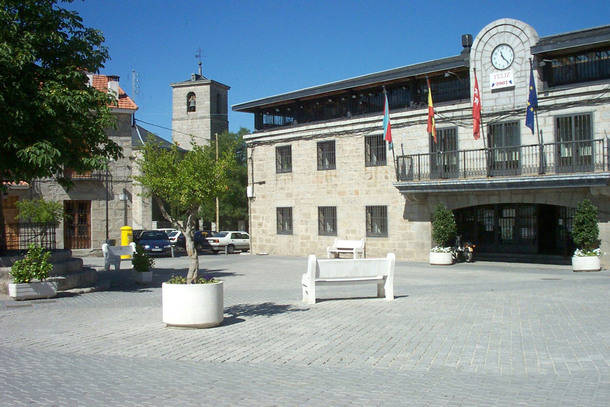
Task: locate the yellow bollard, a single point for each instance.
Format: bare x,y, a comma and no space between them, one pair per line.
126,238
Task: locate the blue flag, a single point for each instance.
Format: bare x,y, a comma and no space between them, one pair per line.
532,103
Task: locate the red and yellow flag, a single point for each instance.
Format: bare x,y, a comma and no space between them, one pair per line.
476,109
431,123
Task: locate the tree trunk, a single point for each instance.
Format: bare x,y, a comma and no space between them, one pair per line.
191,250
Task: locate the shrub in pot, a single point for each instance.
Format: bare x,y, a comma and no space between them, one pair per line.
444,230
142,263
29,275
585,234
199,304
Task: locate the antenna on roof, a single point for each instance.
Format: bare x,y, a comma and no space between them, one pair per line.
198,56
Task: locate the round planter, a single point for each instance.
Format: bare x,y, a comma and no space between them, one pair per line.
441,259
585,263
193,305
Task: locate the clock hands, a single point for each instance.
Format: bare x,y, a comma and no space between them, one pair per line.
502,55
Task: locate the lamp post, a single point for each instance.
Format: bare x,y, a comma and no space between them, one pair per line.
217,203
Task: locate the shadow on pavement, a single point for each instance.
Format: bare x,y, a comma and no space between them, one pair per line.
266,309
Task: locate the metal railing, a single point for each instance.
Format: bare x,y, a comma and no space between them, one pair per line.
550,158
94,175
18,236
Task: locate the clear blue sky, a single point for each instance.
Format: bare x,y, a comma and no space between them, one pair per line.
262,48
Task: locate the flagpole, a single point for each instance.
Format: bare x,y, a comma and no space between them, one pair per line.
540,144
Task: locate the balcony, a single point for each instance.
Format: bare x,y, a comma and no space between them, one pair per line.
95,175
552,165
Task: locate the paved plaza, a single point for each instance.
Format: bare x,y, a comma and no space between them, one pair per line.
470,334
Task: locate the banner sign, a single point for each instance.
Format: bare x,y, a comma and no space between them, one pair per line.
501,80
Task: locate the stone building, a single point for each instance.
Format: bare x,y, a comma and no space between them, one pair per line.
199,110
100,202
320,168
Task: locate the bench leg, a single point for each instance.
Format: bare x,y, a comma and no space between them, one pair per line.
381,289
309,294
389,288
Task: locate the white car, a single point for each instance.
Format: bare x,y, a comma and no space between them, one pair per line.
231,240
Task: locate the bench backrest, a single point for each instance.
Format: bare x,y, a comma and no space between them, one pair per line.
119,250
348,244
345,268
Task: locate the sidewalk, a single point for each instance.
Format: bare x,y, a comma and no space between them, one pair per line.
469,334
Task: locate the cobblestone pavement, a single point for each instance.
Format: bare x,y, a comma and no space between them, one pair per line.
470,334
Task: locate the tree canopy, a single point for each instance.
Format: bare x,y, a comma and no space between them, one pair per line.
49,117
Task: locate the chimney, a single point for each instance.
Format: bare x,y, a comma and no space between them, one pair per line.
113,86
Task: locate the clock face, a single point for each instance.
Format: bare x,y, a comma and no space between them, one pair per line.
502,56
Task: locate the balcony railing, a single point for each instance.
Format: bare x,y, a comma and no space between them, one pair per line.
18,236
551,158
95,175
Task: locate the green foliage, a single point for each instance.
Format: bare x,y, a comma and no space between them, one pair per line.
35,266
233,204
39,211
182,280
141,261
49,117
585,231
444,228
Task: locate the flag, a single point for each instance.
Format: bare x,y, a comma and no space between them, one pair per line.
476,110
387,127
431,124
532,102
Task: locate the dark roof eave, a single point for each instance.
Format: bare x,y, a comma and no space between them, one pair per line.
459,61
576,39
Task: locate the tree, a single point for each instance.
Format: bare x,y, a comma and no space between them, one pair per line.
233,204
444,228
50,118
585,231
181,182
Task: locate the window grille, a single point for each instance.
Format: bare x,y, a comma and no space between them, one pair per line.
444,156
284,221
374,151
377,221
575,146
326,155
283,159
327,220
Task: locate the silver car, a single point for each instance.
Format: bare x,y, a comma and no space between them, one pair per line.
231,240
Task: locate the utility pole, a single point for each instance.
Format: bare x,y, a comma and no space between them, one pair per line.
217,204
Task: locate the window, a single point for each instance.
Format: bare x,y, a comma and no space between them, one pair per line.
377,221
575,146
283,159
374,151
576,68
284,221
218,103
327,220
444,155
326,155
191,102
505,141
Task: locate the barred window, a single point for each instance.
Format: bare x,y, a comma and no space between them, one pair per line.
326,155
374,151
377,221
327,220
284,221
283,159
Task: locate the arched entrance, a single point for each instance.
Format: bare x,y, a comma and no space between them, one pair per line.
522,229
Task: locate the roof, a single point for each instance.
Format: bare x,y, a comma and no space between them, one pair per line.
16,185
100,82
591,37
438,65
140,135
197,79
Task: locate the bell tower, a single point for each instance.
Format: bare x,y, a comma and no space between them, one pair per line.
199,110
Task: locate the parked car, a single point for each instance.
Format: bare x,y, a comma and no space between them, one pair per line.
232,240
155,242
177,239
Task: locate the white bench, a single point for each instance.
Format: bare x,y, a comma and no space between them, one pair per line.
354,247
349,271
112,255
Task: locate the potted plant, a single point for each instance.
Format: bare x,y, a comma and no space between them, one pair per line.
29,275
199,304
142,264
585,234
444,230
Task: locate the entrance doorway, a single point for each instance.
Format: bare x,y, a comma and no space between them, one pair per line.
77,224
528,229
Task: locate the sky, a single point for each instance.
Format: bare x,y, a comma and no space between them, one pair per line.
262,48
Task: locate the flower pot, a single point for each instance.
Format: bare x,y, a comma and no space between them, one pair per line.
586,263
142,277
193,305
441,259
32,290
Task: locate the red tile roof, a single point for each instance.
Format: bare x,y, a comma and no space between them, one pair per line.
100,82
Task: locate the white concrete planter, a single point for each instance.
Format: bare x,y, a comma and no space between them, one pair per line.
142,277
193,305
32,290
586,263
441,259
